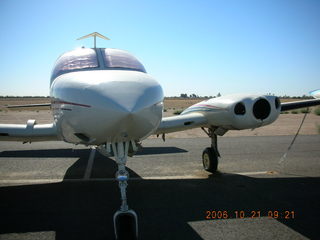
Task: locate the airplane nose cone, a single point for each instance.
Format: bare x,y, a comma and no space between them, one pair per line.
124,105
133,109
136,123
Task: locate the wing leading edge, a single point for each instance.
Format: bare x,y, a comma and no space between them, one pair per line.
299,104
29,105
181,123
30,132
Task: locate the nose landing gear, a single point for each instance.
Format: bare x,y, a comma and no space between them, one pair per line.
125,220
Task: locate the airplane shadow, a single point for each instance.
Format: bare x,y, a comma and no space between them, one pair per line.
69,152
84,209
160,150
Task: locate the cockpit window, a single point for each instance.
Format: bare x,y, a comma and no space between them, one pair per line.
88,58
116,58
75,60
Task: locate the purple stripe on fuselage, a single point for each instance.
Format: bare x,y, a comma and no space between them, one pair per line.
71,103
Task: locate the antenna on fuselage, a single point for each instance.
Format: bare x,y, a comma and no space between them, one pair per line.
94,35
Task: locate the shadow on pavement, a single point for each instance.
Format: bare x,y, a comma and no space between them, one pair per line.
69,152
84,209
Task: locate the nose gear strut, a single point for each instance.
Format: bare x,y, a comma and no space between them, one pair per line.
125,220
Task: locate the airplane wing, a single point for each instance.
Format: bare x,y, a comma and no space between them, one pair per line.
30,132
181,122
29,105
299,104
233,112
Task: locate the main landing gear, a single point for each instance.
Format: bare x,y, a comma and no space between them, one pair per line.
211,154
125,220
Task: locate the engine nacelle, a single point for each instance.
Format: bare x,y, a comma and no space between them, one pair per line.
236,112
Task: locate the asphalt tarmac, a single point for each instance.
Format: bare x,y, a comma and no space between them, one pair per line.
54,190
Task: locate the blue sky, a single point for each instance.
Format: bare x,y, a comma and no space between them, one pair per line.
201,47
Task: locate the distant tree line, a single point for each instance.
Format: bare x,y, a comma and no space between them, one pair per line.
184,95
193,95
297,97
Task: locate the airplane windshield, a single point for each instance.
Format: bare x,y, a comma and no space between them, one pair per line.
116,58
88,58
75,60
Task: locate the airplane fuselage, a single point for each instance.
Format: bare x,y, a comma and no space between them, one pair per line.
98,105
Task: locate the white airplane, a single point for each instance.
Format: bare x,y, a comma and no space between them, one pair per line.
104,98
315,93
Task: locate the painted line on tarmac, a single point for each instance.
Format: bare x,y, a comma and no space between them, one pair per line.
257,173
87,173
30,181
57,180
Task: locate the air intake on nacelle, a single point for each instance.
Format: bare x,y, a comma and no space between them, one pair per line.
240,109
261,109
